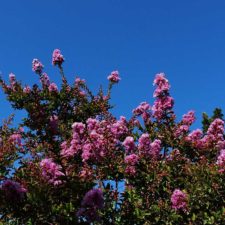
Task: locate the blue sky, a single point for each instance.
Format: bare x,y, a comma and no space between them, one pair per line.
184,39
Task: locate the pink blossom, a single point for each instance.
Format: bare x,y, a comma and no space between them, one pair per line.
144,142
92,124
44,79
142,108
179,200
147,148
57,57
188,118
53,87
16,139
129,144
114,77
78,127
162,85
27,89
195,135
155,148
12,78
221,160
119,127
79,81
131,159
181,130
37,66
51,171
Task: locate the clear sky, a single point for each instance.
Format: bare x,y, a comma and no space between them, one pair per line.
184,39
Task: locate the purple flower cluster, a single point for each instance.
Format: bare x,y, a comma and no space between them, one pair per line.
143,110
13,191
91,203
51,171
179,200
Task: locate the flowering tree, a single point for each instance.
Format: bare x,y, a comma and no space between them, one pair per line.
72,162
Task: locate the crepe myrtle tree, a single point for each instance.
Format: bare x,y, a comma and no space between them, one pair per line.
71,161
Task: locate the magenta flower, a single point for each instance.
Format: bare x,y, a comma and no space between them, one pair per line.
179,200
114,77
37,66
57,57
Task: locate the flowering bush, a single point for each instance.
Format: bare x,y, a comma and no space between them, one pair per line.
72,162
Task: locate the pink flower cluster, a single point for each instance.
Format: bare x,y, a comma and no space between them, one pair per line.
51,171
37,66
131,161
94,140
144,107
129,144
179,200
162,84
148,148
195,138
53,87
44,79
16,139
27,89
164,103
114,77
57,57
214,136
143,110
188,118
221,160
